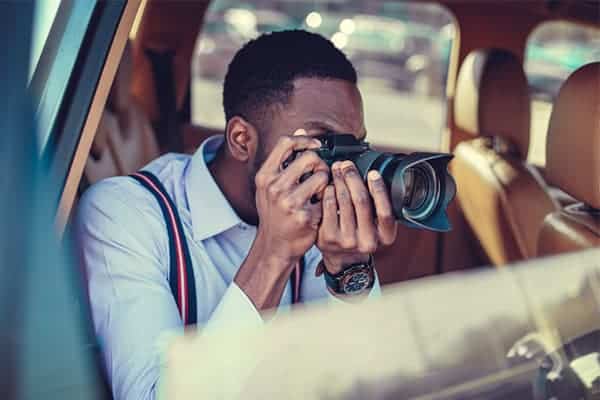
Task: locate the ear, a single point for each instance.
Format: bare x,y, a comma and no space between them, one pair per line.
242,139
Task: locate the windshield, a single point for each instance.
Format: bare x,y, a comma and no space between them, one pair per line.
401,53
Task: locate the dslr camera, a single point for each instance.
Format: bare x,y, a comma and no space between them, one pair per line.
419,184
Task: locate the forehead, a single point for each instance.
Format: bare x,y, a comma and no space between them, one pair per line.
325,104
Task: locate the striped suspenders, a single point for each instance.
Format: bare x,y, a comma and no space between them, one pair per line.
181,273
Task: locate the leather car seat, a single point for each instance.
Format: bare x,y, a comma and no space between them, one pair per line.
134,143
101,162
125,140
503,198
573,164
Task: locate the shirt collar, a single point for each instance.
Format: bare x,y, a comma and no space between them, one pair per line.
210,211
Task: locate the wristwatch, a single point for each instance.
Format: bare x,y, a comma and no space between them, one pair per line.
353,279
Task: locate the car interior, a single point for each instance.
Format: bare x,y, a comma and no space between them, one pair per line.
507,209
510,88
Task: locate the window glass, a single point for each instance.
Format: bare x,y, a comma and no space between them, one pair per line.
554,50
58,33
401,53
43,17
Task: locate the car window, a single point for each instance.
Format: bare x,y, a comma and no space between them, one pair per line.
57,27
401,53
43,17
554,50
65,78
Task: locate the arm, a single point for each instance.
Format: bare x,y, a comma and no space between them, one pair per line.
125,252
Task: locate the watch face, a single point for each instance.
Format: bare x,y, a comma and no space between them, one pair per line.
356,282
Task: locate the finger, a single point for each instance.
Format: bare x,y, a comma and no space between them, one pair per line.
328,231
386,223
285,146
347,219
307,161
361,199
315,184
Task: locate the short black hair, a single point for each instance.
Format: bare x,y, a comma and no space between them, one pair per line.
262,72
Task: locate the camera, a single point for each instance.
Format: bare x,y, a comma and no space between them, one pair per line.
419,184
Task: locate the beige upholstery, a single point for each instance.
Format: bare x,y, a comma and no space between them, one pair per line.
492,98
502,197
126,133
101,162
573,143
573,164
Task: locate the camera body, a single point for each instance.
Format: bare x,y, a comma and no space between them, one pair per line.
419,184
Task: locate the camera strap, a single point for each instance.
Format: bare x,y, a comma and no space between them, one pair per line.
181,273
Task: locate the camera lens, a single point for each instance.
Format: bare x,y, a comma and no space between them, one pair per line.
416,188
419,184
421,191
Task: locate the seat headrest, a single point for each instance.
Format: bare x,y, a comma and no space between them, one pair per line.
573,143
492,98
120,92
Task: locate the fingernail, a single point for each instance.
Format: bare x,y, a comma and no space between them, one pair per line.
348,167
374,175
300,132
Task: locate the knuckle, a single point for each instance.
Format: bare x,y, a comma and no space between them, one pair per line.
362,199
274,190
329,201
386,218
368,246
343,196
288,203
328,237
348,243
321,176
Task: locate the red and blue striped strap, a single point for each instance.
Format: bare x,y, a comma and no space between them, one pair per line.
181,274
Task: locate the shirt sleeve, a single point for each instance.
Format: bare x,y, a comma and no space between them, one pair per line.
124,248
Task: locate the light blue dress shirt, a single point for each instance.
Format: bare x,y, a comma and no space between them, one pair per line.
125,250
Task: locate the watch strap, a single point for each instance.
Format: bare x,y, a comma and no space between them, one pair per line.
334,281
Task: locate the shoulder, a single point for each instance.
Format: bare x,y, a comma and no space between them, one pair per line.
117,209
125,196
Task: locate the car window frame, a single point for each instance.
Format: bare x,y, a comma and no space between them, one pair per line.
56,64
81,108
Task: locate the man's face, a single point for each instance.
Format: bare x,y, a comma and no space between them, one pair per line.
317,106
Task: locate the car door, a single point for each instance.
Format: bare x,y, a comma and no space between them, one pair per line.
55,80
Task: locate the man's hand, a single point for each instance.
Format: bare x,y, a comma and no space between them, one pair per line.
288,222
349,231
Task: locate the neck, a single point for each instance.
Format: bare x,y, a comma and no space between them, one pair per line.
235,186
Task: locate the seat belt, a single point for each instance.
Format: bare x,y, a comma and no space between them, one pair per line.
181,273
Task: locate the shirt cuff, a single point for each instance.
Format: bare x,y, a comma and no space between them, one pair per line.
373,294
234,310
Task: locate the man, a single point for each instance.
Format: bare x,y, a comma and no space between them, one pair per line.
247,219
